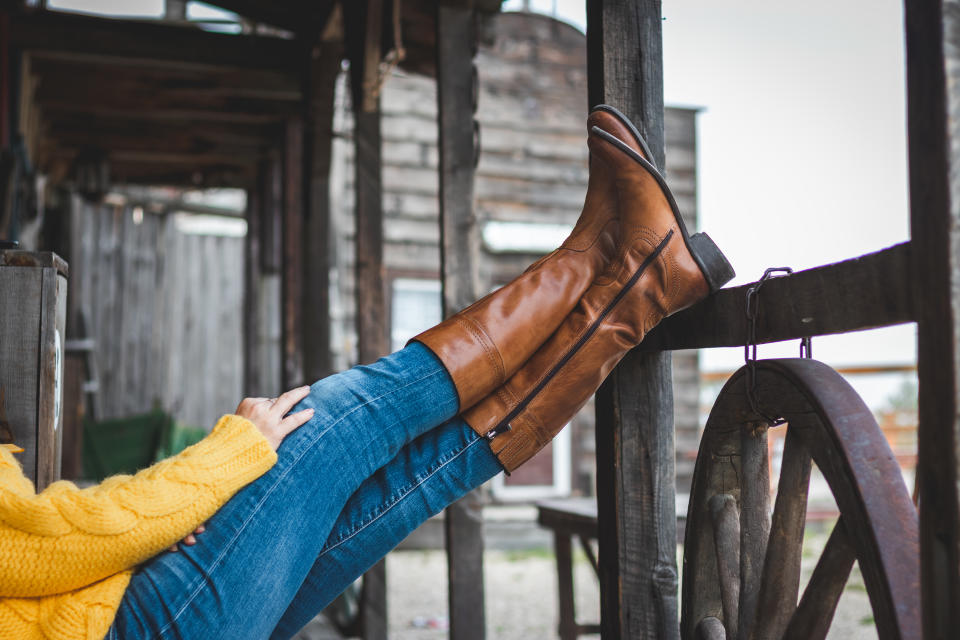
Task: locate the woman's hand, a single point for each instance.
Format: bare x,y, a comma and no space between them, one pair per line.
269,415
190,540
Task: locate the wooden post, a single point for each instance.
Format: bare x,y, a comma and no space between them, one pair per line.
293,254
263,356
32,340
5,100
933,132
456,103
256,197
635,440
372,336
324,65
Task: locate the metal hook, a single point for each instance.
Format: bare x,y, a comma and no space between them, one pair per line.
750,344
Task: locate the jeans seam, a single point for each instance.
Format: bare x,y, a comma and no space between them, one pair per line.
401,493
399,499
269,492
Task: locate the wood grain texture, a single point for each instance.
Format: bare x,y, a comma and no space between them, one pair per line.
754,520
19,354
372,330
149,40
635,438
870,291
293,256
321,85
458,267
52,328
780,581
370,298
814,614
933,132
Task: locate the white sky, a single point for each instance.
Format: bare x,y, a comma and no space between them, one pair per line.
802,142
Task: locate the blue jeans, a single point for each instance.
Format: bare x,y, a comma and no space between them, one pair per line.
380,456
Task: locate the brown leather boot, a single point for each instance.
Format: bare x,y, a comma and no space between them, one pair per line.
484,344
659,269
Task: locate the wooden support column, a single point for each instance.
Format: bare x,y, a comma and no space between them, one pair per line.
933,132
5,83
293,254
372,334
263,356
456,103
635,439
324,65
251,286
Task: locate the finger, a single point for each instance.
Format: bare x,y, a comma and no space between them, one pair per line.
200,529
288,400
190,540
295,420
174,548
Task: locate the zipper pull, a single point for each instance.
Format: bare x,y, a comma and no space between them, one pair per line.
497,430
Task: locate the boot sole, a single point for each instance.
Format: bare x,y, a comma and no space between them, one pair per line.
716,269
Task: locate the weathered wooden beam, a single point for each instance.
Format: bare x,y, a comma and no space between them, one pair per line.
873,290
321,85
176,45
251,287
99,72
5,123
372,330
303,18
933,133
100,97
635,440
456,48
293,270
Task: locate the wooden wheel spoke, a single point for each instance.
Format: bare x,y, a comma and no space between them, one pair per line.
754,520
830,425
726,539
813,616
781,568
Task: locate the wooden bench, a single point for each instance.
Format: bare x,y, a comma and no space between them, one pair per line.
567,518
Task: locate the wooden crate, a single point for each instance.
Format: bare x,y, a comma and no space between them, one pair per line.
33,295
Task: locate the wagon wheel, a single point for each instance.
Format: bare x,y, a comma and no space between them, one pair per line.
741,567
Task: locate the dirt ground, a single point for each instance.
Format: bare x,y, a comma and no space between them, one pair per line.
521,595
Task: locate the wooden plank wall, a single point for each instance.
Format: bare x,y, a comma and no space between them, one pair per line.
165,310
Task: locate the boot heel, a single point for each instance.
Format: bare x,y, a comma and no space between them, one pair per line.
714,265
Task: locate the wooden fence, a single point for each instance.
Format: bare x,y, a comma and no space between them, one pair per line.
164,308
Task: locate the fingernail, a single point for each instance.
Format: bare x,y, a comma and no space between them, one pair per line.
306,386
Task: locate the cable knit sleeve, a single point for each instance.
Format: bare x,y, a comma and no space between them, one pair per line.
65,538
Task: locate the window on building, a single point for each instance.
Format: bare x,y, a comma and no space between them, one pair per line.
415,306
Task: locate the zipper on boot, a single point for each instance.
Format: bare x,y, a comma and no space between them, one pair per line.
504,425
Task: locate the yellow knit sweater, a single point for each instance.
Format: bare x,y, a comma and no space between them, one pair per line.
66,555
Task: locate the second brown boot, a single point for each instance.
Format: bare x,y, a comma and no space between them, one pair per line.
659,269
484,344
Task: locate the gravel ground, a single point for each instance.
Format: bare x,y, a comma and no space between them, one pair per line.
521,595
